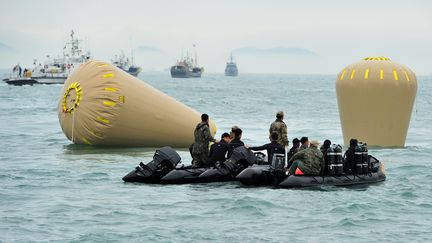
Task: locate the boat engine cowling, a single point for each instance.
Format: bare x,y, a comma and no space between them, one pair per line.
240,159
164,160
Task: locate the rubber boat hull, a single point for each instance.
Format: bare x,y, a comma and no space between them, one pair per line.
226,171
342,180
258,175
183,175
240,159
164,160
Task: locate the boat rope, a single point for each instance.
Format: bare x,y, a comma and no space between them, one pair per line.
73,125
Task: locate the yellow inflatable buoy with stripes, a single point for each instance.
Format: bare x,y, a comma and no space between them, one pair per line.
101,104
375,99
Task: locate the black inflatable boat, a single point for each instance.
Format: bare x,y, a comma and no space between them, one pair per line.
164,160
268,175
241,158
339,180
182,175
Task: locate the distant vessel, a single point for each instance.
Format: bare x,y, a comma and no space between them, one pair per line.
126,64
56,70
187,67
231,68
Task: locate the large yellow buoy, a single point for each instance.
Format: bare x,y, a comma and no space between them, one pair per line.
375,99
101,104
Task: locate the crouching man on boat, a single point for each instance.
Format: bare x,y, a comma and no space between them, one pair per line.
308,161
219,150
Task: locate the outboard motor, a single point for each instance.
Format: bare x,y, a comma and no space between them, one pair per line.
374,163
164,160
240,159
358,158
365,159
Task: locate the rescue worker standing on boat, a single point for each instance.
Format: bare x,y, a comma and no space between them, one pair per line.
280,128
200,148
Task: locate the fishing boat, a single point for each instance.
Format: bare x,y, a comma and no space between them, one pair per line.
187,67
126,64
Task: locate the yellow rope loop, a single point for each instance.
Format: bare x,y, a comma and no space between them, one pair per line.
78,97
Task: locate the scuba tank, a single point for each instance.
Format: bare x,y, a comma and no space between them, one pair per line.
331,161
358,159
339,170
365,159
278,162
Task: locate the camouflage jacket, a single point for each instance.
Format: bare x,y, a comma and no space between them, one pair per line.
202,137
280,127
311,160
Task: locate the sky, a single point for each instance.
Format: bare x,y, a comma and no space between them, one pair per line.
338,32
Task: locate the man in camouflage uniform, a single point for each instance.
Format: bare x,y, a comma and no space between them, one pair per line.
200,148
308,161
280,128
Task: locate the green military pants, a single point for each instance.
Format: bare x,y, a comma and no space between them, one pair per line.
294,166
199,160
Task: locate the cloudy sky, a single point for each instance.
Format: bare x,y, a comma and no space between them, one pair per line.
336,32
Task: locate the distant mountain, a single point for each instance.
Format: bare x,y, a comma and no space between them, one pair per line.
147,49
275,51
6,49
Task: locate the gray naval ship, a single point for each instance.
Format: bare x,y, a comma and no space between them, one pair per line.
187,67
231,68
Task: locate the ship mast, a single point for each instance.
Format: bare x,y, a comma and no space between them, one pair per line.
196,58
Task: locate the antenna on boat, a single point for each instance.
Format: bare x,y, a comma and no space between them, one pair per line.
132,58
196,58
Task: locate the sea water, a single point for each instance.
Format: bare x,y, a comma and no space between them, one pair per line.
52,190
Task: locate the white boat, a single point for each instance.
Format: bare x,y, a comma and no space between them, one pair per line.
56,70
126,64
231,68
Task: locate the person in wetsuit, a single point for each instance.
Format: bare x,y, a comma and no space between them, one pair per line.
326,145
272,148
349,161
236,141
219,151
294,149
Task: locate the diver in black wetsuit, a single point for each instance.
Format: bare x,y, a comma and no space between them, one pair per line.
349,161
294,149
218,151
236,142
272,148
